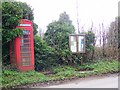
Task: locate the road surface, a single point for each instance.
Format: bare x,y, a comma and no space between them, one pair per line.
110,81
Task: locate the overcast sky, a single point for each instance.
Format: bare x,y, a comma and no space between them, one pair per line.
96,11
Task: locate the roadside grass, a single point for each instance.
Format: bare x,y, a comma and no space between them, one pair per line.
14,78
98,68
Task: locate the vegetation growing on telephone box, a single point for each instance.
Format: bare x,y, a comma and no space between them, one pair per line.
12,12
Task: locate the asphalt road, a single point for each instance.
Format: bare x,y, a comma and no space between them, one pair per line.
110,81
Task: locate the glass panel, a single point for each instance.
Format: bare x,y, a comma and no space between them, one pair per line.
25,45
25,54
26,40
26,36
81,43
26,32
25,61
73,45
25,49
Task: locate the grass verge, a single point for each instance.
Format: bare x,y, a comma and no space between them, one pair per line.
14,78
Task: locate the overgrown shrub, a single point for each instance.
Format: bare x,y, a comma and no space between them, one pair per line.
44,55
90,46
57,36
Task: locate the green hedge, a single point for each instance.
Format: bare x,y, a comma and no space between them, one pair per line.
44,55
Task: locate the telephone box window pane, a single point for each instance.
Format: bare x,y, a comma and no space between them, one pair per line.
26,36
26,54
26,40
27,45
26,61
25,49
27,32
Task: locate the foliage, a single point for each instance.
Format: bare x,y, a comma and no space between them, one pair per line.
13,78
12,12
106,66
64,17
90,40
97,68
90,45
57,36
44,55
35,27
11,34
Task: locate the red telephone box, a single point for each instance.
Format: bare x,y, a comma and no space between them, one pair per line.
22,48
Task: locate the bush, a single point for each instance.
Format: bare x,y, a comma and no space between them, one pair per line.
57,36
44,55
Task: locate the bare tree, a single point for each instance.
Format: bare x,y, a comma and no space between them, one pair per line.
103,40
112,39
